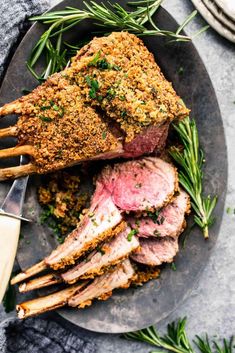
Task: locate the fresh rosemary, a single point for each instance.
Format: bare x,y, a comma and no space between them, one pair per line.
108,17
190,161
177,341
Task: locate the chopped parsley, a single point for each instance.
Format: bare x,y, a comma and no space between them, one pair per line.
156,233
123,113
94,86
104,134
100,250
45,118
93,62
173,266
111,93
131,234
180,70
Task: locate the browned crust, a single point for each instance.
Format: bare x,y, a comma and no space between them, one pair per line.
90,246
145,276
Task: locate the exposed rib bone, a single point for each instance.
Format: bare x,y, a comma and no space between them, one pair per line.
49,302
8,131
11,108
16,172
17,151
39,267
40,282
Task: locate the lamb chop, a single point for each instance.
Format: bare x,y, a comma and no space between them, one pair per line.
161,247
113,101
101,288
104,257
137,185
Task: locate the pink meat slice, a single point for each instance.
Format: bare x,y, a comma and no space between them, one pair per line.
155,251
139,185
102,217
104,284
152,138
134,185
169,222
108,254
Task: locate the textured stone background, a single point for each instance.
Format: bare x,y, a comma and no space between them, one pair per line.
211,307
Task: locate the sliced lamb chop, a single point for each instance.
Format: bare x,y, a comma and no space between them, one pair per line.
169,222
50,302
109,254
147,183
155,251
102,287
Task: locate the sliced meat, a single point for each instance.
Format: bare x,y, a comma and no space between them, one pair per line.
138,185
145,184
107,255
100,222
155,251
169,222
102,287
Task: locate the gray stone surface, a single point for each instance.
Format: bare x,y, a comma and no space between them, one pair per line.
211,307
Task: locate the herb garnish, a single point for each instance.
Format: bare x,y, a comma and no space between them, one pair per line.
177,341
173,266
45,118
104,134
94,86
190,161
112,16
131,234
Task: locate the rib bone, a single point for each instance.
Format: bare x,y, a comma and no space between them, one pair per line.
49,302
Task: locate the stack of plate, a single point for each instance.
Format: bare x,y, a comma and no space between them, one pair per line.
220,14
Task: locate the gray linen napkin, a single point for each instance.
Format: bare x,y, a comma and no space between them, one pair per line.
31,335
13,16
40,336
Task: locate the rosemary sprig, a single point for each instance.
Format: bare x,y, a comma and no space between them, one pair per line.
177,341
107,17
190,161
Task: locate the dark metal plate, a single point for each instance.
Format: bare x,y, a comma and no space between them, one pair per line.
136,308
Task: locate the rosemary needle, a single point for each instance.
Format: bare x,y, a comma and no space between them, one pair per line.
190,161
108,17
177,341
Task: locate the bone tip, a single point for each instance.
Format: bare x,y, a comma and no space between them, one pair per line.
21,313
22,287
18,278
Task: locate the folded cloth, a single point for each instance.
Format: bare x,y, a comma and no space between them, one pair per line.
13,24
32,335
40,336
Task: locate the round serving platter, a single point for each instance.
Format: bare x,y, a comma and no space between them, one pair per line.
134,308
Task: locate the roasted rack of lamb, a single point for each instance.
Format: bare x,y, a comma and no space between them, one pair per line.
113,101
136,215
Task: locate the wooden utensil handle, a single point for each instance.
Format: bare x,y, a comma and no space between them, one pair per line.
9,236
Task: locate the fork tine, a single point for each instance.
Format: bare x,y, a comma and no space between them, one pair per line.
40,282
10,108
35,269
9,131
49,302
17,151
